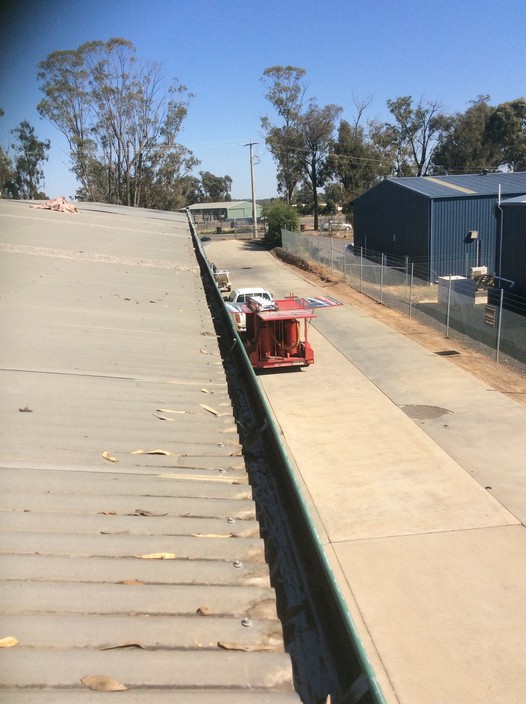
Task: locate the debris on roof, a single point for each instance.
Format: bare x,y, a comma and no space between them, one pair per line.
60,204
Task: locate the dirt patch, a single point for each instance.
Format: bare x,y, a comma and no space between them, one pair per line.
478,365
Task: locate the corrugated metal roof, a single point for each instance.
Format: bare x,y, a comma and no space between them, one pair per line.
464,186
514,201
129,543
221,205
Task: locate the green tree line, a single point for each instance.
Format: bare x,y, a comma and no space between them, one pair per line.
122,121
314,149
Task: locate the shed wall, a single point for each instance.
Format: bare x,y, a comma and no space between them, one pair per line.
514,248
392,219
451,220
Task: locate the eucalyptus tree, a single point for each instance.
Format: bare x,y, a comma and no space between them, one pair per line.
412,136
121,119
506,131
7,175
214,189
30,153
7,172
285,91
316,127
463,146
357,163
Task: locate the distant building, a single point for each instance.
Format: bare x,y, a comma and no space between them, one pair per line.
227,210
444,224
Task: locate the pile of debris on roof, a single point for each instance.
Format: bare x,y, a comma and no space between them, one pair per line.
60,204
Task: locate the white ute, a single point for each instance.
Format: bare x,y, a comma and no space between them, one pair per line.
238,297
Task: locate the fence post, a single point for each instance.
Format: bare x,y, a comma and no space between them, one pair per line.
382,279
411,290
361,269
499,326
448,306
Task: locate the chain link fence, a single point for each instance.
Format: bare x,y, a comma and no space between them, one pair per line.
489,319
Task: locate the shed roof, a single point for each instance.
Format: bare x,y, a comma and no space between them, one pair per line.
228,204
466,185
520,200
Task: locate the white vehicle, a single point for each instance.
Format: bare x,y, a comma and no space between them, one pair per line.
239,297
334,225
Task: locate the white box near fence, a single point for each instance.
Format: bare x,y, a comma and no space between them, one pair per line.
463,291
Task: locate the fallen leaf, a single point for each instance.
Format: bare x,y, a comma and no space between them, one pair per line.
204,351
205,391
109,457
210,410
114,532
133,582
157,556
131,644
8,642
197,478
168,410
246,647
144,512
163,417
108,513
211,535
25,410
103,683
203,611
167,453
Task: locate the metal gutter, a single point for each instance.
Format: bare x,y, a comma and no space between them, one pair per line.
273,441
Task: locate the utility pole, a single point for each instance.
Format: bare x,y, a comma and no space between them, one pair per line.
254,213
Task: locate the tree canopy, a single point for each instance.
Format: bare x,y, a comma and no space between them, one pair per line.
121,119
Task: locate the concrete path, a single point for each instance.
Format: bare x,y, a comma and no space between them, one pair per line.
415,473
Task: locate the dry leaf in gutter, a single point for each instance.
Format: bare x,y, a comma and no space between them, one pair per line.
109,457
212,535
157,556
103,683
163,417
168,410
167,453
246,647
8,642
131,644
132,582
144,512
210,410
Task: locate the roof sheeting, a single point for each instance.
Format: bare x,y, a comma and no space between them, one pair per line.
225,205
464,186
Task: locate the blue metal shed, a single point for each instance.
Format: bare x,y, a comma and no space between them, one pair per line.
511,250
427,220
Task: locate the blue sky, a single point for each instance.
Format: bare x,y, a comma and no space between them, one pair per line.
446,50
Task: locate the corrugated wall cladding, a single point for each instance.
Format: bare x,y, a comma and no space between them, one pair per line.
392,219
398,220
451,220
514,248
